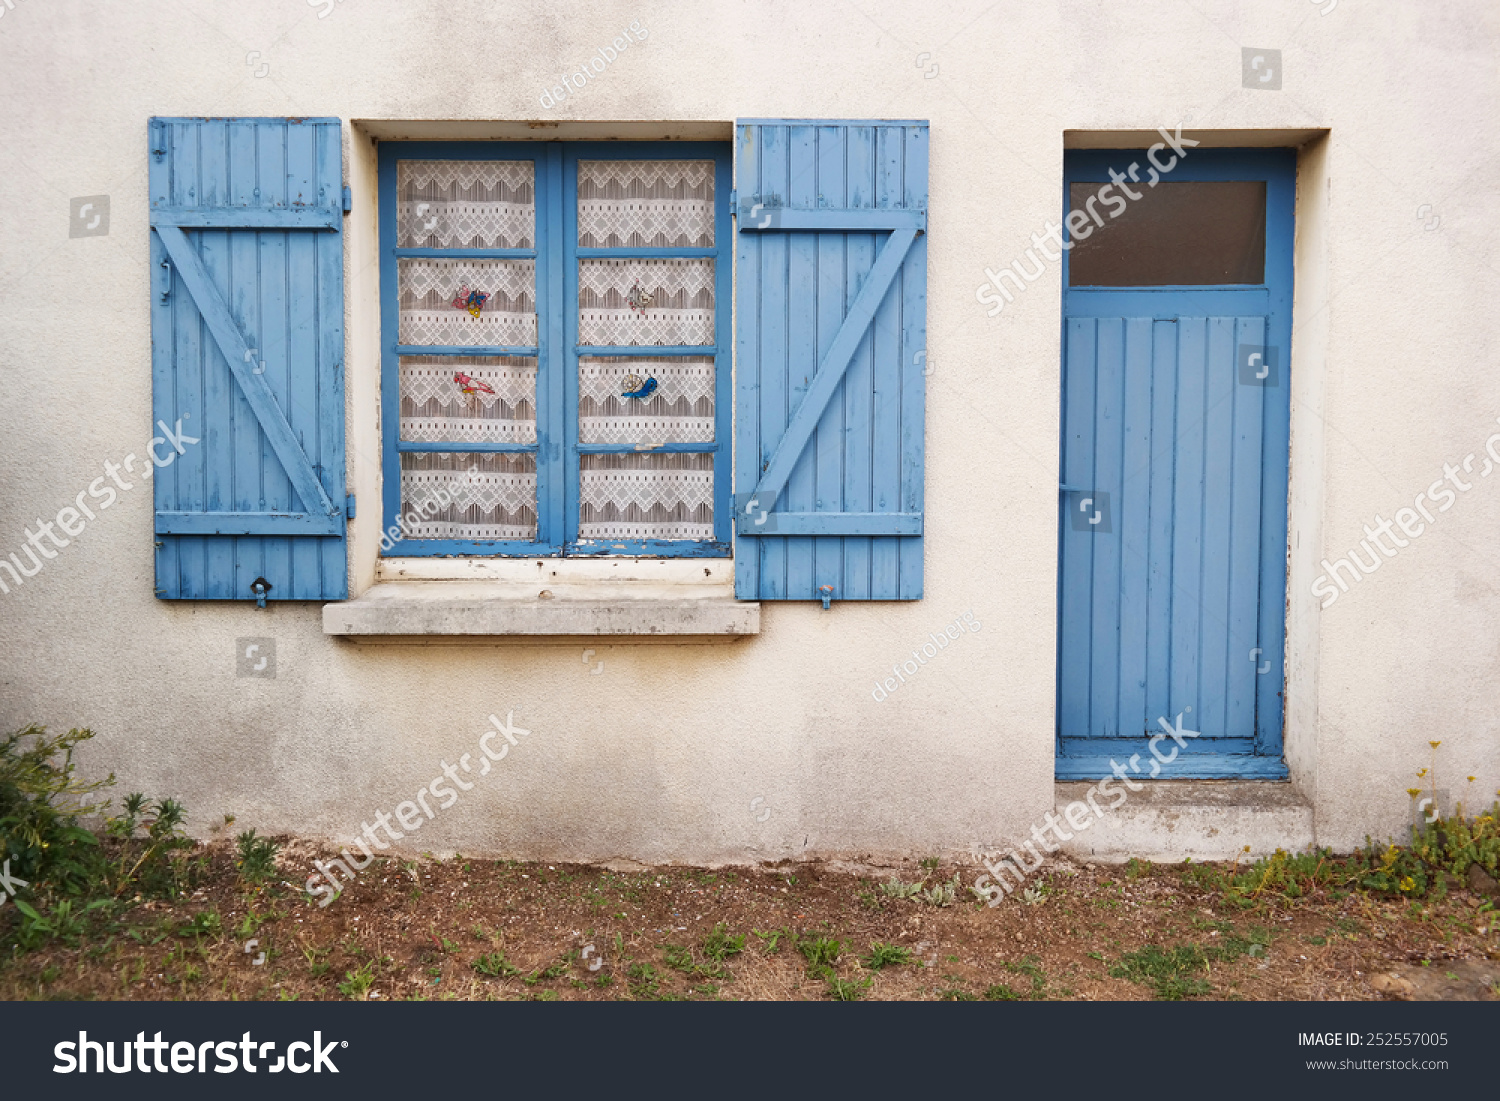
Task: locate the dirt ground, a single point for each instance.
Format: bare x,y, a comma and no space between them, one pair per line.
465,928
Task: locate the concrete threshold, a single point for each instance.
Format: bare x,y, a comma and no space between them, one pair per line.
1168,821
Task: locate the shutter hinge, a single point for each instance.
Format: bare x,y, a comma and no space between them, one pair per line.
260,587
825,593
734,198
348,199
349,505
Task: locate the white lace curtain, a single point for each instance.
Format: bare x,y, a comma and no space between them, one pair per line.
454,495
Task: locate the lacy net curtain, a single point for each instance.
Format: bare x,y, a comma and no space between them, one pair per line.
467,399
635,400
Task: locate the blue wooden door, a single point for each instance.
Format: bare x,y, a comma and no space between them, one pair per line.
1172,535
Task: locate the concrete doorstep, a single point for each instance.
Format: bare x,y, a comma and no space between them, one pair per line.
1168,821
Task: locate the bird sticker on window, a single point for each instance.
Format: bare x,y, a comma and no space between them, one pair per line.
635,387
473,301
639,299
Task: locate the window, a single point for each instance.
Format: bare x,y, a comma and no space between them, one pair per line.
555,376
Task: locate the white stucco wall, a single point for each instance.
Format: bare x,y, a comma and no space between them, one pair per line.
660,756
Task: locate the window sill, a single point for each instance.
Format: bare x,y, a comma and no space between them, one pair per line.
448,611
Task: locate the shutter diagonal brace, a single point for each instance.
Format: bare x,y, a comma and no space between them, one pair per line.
831,370
235,350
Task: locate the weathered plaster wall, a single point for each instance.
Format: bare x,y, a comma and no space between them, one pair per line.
660,756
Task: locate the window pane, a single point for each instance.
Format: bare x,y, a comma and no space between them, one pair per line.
646,301
677,408
468,399
468,496
439,303
465,204
646,496
1185,233
646,204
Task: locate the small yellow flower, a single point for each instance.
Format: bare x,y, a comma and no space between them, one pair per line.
1414,792
1471,779
1422,773
1434,744
1408,883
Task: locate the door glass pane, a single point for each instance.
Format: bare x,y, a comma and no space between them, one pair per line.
447,495
467,302
675,402
1188,233
465,204
631,301
646,204
468,399
638,495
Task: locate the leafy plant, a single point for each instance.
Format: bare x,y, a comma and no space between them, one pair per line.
894,888
495,965
884,955
358,981
41,801
821,954
257,857
719,945
1173,974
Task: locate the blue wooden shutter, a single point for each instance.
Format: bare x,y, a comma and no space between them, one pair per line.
247,350
831,335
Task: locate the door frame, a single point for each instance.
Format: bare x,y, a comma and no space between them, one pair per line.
1091,758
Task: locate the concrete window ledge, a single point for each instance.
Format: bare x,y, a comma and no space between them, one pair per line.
439,611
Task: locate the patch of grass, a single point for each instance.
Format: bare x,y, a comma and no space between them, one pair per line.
885,955
494,965
770,942
1002,993
1173,974
847,990
643,980
1030,966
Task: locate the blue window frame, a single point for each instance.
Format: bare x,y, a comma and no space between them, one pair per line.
558,455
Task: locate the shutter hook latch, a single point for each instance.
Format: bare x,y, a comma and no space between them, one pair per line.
260,586
825,593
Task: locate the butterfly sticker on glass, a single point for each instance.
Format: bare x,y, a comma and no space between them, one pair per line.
636,387
473,301
639,299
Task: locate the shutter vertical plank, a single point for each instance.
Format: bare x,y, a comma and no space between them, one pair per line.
749,310
214,247
826,452
1159,589
332,576
805,288
859,379
276,156
912,327
775,349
